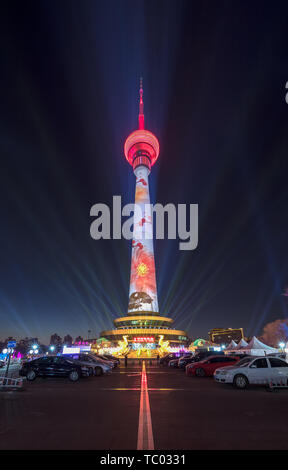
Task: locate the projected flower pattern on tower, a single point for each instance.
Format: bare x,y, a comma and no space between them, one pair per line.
143,291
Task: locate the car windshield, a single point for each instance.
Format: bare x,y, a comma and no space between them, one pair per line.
243,362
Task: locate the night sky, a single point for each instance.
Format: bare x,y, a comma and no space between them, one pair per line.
214,76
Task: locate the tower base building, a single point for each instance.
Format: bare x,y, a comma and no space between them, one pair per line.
146,334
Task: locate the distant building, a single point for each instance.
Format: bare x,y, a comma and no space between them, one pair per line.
225,335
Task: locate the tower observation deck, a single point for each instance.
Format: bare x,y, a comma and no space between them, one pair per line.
143,326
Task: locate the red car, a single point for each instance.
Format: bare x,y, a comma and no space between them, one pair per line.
210,364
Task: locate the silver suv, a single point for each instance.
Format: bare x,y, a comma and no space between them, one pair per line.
97,366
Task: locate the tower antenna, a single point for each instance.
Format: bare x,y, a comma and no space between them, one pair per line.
141,106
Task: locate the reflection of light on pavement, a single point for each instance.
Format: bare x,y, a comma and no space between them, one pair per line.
145,434
170,389
117,389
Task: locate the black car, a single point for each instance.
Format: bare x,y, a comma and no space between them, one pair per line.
53,366
165,359
175,362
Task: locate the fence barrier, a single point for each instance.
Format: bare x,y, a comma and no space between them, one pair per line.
7,383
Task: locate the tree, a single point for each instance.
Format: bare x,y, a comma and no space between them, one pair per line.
68,340
275,332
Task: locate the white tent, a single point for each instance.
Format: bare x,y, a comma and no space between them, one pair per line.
231,345
257,348
237,348
242,344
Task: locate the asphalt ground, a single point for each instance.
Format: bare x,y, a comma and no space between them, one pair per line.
103,413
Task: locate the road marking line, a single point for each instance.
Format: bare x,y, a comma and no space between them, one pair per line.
145,433
117,389
171,389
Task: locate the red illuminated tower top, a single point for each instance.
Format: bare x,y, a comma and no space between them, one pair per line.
141,146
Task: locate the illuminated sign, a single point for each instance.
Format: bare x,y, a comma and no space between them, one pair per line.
76,349
72,350
144,339
137,346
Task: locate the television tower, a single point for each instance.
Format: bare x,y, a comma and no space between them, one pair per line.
143,330
141,150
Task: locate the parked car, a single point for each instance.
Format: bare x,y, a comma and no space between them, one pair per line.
207,366
251,370
280,355
114,359
165,359
98,366
54,366
175,362
104,359
200,356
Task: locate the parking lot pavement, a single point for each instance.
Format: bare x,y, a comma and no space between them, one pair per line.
197,413
94,413
103,413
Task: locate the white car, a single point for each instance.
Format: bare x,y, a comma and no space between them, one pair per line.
254,370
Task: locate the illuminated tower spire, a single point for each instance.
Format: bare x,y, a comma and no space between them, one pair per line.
141,150
141,106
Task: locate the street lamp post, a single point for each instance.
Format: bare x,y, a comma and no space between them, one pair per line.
8,362
10,348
